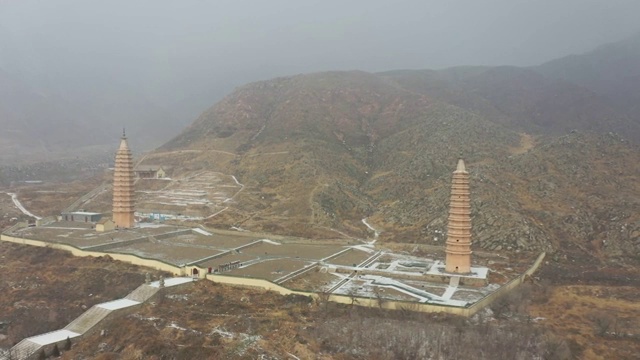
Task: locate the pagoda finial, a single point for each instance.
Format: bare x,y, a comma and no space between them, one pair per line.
124,134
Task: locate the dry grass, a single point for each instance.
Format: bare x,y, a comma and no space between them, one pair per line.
527,142
572,313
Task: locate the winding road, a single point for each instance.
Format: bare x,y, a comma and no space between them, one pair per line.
19,205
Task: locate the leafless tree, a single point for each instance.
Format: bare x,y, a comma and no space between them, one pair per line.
383,338
353,295
379,296
557,350
602,322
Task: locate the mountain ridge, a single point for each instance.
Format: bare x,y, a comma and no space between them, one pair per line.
346,152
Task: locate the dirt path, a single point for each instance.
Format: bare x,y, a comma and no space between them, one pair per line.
376,233
527,142
312,194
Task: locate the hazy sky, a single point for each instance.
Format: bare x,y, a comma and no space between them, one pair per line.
288,36
192,52
155,65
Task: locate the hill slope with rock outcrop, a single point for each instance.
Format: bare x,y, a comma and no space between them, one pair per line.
318,153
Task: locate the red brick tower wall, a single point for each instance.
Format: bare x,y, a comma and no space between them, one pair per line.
458,248
123,192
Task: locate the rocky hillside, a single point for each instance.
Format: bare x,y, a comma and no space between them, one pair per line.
318,153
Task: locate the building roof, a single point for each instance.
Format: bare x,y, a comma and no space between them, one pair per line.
104,221
81,213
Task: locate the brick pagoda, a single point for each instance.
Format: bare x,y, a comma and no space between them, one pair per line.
123,192
458,248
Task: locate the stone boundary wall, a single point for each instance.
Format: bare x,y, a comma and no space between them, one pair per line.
296,273
506,288
339,253
253,243
128,258
268,285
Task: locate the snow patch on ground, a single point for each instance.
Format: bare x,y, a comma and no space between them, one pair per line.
118,304
138,316
53,337
366,248
172,281
376,233
267,241
203,232
173,325
247,341
143,225
222,332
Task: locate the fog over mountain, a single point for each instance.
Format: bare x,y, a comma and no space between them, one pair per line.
75,72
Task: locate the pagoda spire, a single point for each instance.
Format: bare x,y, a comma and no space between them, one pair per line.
123,191
458,249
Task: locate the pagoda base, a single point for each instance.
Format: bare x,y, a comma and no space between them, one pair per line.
478,276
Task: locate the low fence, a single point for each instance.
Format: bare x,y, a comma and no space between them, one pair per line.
295,274
173,234
268,285
341,299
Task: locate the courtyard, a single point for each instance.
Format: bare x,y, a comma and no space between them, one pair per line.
334,267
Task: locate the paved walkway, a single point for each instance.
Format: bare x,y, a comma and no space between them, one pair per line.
90,318
451,289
